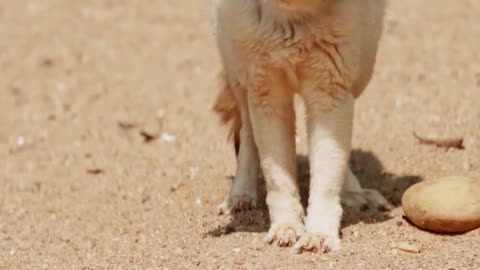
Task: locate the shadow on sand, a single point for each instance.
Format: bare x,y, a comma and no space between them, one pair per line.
371,174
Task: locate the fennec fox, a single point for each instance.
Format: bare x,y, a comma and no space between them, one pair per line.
323,50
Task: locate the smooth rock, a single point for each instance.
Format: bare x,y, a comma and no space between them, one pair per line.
446,205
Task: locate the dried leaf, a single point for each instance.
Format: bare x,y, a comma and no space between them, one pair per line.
95,171
126,125
148,137
444,143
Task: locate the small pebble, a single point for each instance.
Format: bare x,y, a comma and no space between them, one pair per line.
20,141
193,172
166,137
408,247
198,202
160,114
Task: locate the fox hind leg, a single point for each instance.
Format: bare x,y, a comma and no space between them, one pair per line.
353,195
231,104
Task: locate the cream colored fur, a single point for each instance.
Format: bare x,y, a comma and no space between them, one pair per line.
323,50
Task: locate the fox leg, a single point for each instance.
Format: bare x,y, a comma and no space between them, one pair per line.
330,130
273,123
243,193
353,195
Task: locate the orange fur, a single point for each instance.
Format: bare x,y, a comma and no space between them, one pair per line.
323,50
227,108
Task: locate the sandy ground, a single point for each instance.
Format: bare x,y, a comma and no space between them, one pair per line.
82,188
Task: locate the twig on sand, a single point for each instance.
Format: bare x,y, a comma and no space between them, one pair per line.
447,143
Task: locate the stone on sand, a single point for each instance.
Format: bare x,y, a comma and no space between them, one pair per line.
445,205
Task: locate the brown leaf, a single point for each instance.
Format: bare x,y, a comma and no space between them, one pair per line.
126,125
447,143
148,137
95,171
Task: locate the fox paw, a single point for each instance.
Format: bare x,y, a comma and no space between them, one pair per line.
236,204
284,235
366,199
316,243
